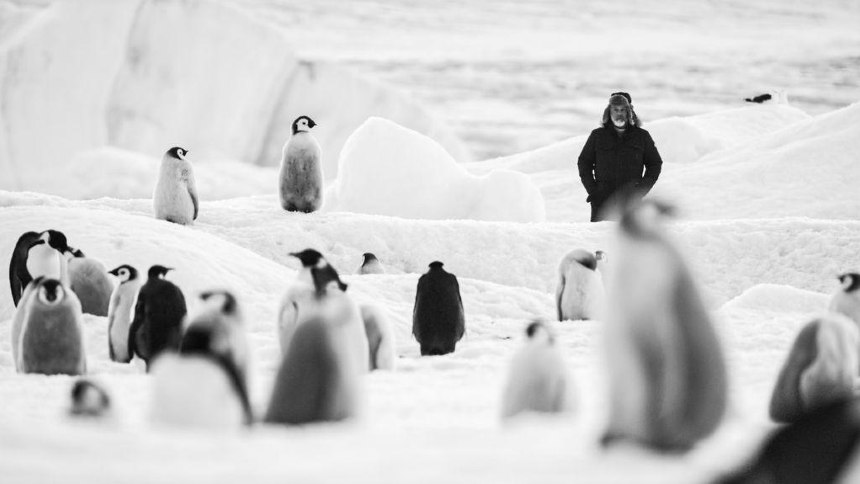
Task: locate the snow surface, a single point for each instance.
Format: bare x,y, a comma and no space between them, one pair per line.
769,216
144,76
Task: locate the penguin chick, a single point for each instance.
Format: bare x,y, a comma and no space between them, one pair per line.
47,330
158,316
318,380
220,315
371,265
89,399
667,373
537,378
300,295
821,368
579,293
175,195
846,300
301,175
89,280
120,313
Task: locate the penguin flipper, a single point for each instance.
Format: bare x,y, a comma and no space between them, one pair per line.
786,401
192,192
558,292
19,279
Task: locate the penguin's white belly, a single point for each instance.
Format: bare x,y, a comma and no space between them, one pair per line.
583,295
193,392
537,382
173,202
119,330
44,260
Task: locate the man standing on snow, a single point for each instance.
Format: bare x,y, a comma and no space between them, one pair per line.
615,156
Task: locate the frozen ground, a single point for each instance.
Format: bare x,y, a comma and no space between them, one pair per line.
769,217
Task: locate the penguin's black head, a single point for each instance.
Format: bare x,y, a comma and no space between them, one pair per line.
177,152
125,273
78,253
303,123
197,340
309,257
538,327
850,281
641,218
228,306
58,240
323,277
369,257
436,265
89,399
51,291
158,272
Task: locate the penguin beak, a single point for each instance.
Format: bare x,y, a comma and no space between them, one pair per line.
294,254
115,272
38,242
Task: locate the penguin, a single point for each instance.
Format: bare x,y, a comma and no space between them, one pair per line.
846,300
438,320
579,293
821,368
537,380
301,176
203,386
47,330
90,282
19,277
371,265
158,315
666,369
220,315
318,380
299,295
821,447
759,99
89,399
120,313
380,337
175,195
37,254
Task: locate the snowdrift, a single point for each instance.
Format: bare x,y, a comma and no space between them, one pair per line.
145,75
386,169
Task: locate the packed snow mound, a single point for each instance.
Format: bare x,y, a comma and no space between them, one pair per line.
387,169
778,298
145,75
678,139
807,169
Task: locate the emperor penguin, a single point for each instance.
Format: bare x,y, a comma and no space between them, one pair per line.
120,311
47,330
90,282
38,254
667,373
299,295
579,293
380,337
371,265
175,195
537,379
301,177
204,386
820,447
158,316
846,300
220,314
89,399
319,378
821,368
438,319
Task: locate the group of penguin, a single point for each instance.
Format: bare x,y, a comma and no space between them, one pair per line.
667,373
300,186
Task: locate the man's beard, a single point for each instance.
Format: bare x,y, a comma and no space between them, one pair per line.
619,123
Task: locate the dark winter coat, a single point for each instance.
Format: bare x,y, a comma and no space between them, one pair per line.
610,162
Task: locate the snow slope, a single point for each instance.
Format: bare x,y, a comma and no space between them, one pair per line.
144,76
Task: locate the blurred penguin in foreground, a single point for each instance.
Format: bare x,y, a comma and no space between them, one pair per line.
819,448
667,375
